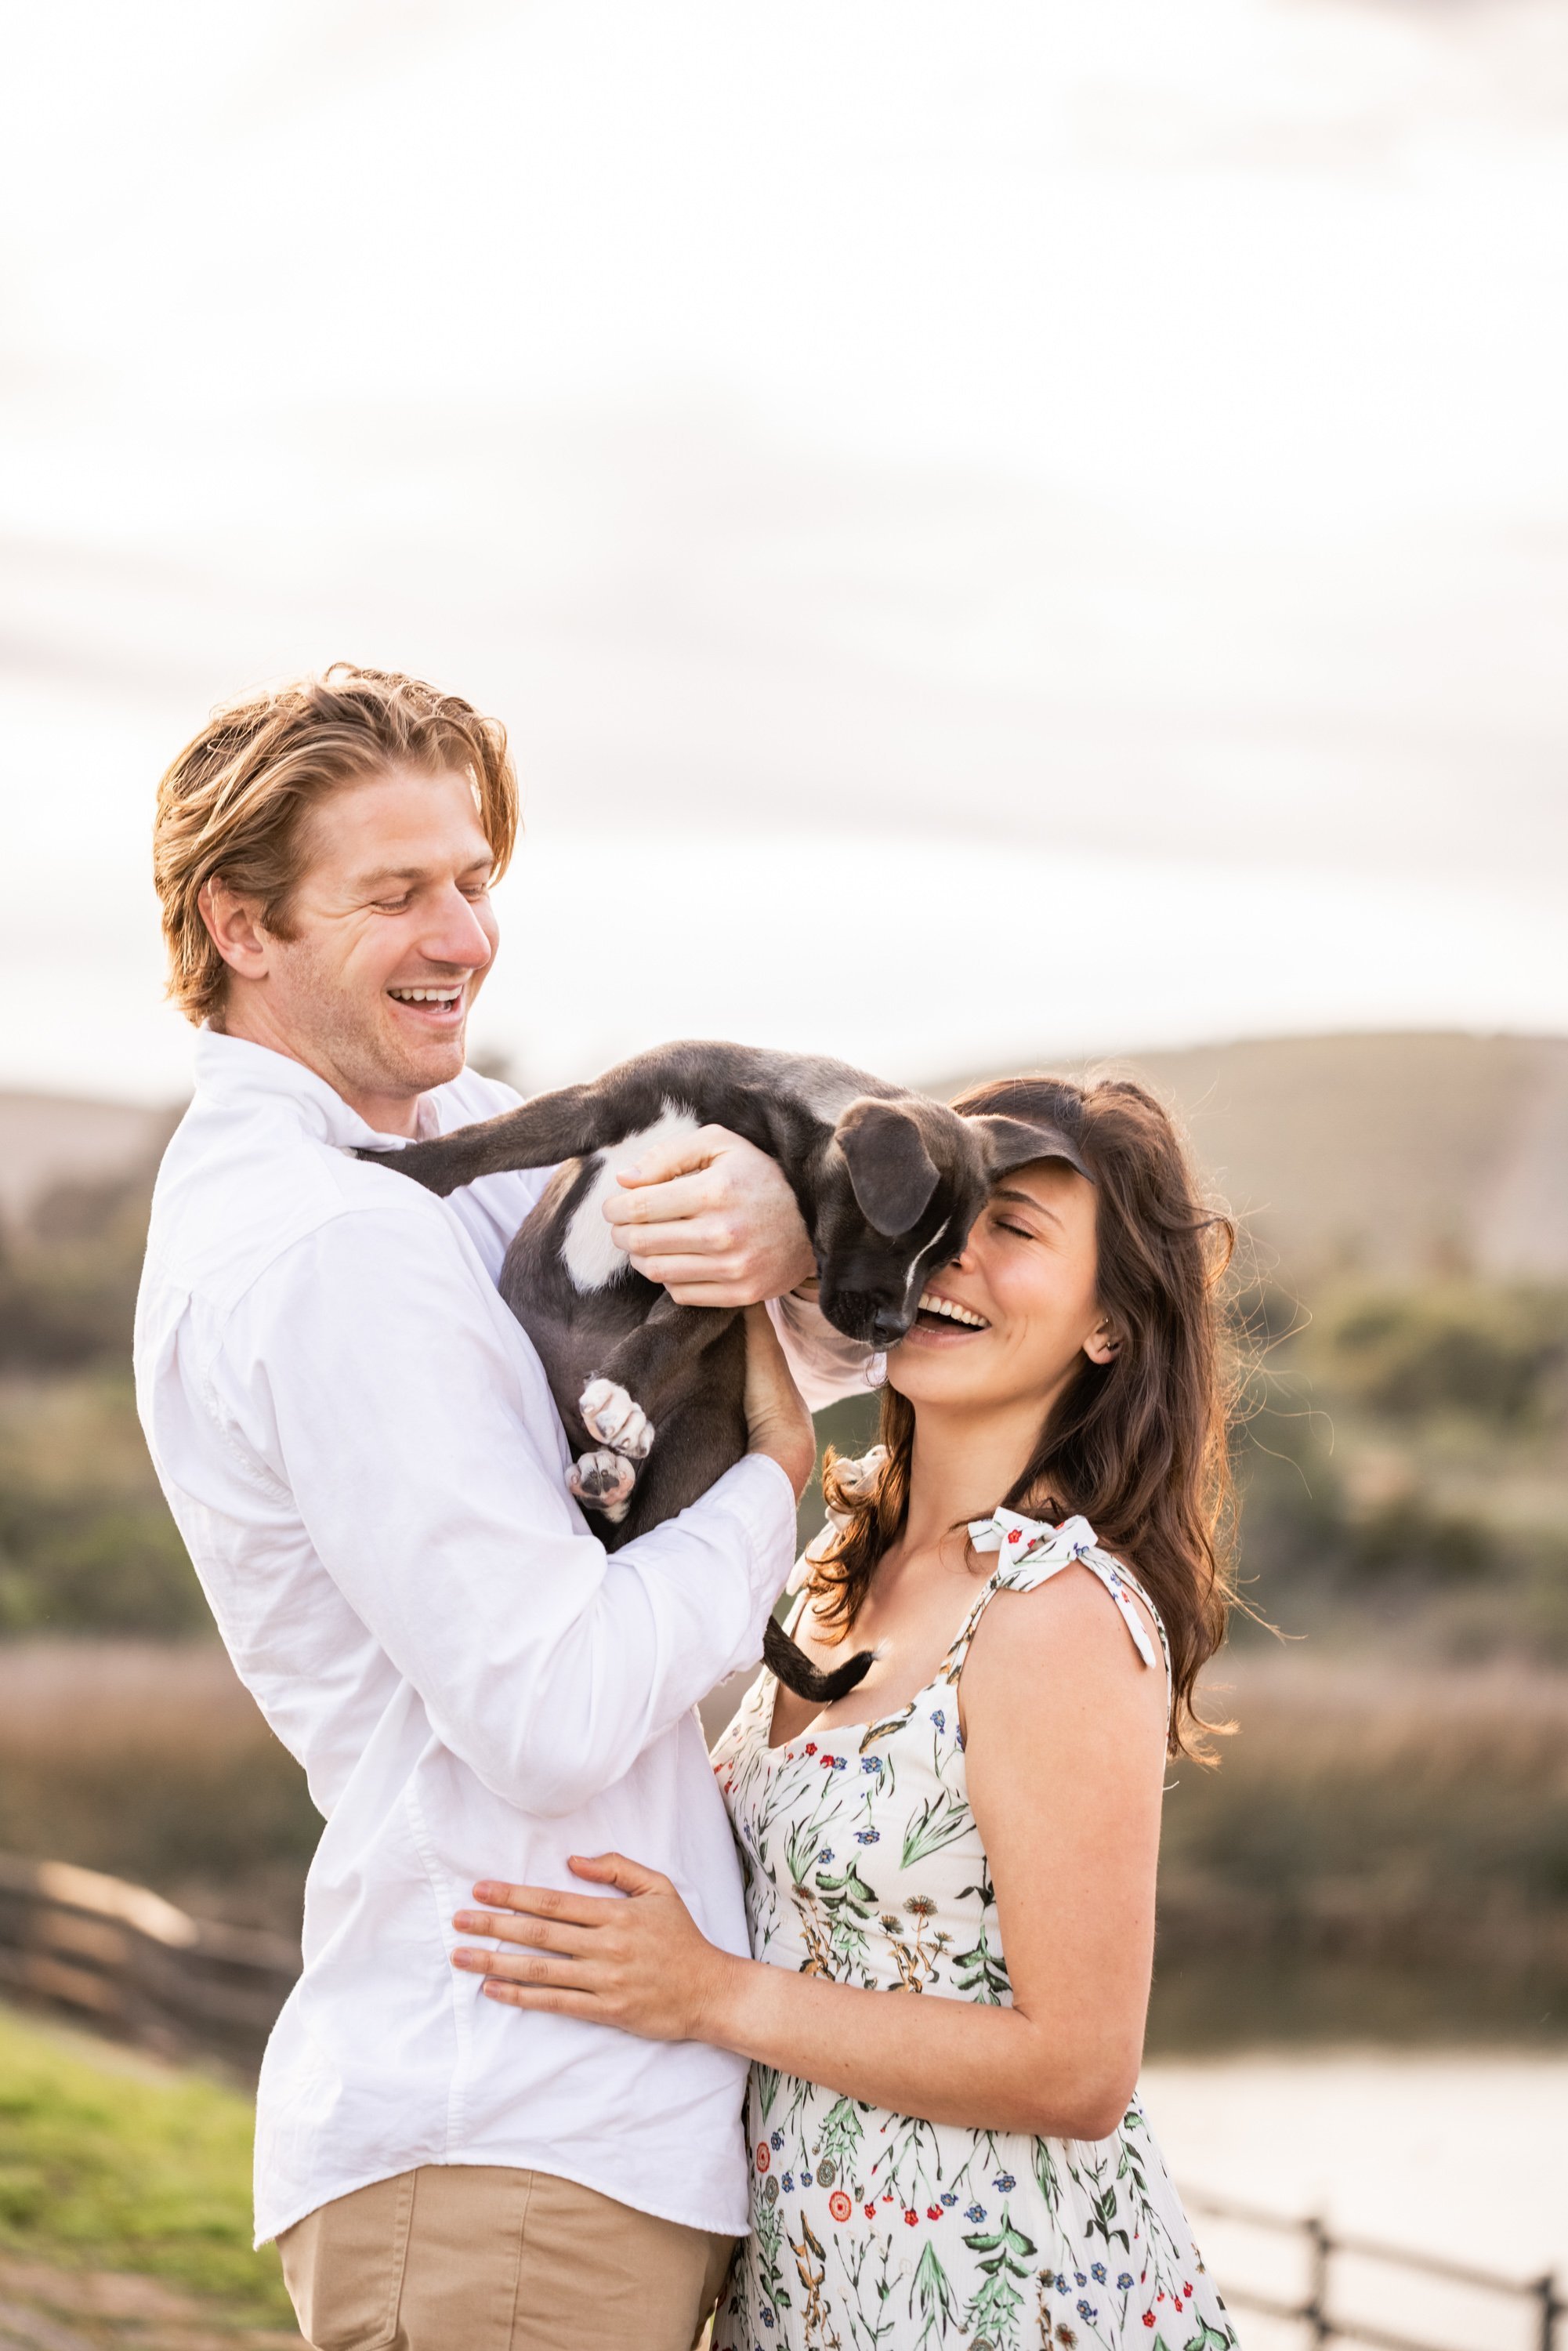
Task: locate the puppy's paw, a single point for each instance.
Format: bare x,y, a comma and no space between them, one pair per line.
603,1482
611,1415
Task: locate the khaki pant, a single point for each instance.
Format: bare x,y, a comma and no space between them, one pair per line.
478,2257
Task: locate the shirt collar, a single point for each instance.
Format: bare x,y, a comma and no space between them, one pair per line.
235,1073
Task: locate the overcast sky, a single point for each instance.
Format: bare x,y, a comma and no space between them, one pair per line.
996,532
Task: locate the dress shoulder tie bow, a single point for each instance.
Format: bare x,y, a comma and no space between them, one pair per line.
1048,1549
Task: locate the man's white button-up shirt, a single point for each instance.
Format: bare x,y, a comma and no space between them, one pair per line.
358,1446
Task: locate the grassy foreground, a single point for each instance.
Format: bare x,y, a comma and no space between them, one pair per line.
109,2161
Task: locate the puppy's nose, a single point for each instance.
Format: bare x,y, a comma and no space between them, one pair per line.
888,1326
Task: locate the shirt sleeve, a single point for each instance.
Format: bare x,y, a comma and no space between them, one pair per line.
826,1365
377,1379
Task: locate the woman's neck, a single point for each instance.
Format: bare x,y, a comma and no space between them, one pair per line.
962,1464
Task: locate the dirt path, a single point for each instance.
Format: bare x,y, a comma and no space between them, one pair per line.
47,2309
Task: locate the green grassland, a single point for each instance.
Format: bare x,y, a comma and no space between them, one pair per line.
109,2161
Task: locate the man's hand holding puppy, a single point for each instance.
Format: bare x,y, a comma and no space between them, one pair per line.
713,1220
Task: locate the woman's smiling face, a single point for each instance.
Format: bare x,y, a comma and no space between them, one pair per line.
1024,1291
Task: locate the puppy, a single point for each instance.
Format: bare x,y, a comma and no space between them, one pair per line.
650,1392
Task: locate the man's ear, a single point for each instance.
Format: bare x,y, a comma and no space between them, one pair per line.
234,925
892,1174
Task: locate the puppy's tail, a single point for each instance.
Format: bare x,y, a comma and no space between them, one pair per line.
794,1668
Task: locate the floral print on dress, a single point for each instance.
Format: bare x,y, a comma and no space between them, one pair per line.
877,2231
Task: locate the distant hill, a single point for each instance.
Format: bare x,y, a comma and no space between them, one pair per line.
1397,1154
50,1139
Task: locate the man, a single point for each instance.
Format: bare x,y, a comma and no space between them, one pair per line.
358,1444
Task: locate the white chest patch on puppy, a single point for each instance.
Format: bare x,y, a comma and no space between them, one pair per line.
588,1251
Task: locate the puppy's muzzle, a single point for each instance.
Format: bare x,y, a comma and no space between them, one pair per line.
870,1320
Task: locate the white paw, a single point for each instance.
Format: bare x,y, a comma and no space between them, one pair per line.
603,1482
610,1413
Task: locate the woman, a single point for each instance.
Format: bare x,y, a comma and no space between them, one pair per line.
1033,1555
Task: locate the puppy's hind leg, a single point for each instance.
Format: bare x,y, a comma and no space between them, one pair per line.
658,1358
645,1371
616,1420
550,1128
603,1481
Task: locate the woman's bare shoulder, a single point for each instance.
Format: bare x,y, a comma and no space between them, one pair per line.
1066,1632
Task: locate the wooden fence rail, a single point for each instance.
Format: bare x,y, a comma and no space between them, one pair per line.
134,1965
1314,2313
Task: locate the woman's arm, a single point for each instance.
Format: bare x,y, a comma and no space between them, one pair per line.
1065,1746
1065,1742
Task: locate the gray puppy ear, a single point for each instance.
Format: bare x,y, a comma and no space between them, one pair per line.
1010,1143
892,1174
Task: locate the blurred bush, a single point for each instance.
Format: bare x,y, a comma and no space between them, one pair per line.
87,1542
1405,1460
68,1279
150,1761
1376,1832
1498,1357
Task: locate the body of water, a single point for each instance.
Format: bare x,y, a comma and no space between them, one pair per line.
1457,2153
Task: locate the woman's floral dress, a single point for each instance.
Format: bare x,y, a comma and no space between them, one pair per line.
871,2230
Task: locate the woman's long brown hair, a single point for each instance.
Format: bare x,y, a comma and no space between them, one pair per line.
1138,1446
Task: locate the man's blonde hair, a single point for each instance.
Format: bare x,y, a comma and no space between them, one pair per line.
233,802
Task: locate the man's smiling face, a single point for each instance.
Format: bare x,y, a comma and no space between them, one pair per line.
391,933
